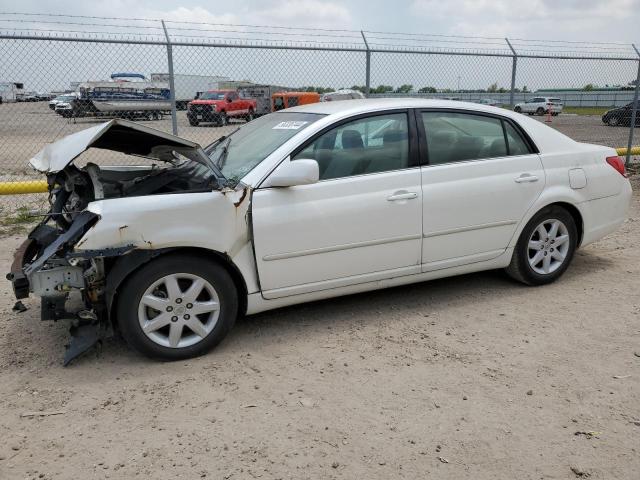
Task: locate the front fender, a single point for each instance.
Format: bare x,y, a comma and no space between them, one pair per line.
210,220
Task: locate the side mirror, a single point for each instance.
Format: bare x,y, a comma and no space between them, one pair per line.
229,100
292,173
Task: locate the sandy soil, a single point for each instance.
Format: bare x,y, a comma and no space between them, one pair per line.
468,377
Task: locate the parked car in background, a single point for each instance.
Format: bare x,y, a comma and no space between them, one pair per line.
313,202
540,106
218,106
27,97
64,98
489,101
282,100
621,116
345,94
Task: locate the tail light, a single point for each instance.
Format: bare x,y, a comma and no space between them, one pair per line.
617,163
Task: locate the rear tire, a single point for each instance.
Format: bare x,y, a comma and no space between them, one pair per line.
540,258
249,116
177,306
540,111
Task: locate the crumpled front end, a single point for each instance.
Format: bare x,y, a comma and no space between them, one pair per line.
47,266
70,280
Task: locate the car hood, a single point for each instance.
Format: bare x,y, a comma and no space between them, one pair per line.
119,136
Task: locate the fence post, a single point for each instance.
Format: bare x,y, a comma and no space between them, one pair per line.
513,74
367,86
634,110
172,89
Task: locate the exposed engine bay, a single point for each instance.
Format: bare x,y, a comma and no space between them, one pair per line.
73,284
72,189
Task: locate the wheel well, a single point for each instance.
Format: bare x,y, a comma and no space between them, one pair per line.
220,258
577,217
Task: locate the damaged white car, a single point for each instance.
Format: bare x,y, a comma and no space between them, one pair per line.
307,203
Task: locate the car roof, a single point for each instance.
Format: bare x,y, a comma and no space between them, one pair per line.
357,106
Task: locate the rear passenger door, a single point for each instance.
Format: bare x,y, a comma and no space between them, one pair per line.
480,175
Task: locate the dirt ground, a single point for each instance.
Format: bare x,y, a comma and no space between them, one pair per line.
469,377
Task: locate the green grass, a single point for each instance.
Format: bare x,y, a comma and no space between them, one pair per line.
21,216
586,110
18,222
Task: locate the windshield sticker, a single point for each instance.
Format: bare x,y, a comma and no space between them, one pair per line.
293,125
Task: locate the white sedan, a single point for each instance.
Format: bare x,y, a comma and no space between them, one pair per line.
308,203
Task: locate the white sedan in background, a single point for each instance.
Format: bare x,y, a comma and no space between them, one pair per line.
307,203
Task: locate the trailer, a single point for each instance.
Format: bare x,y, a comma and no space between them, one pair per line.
11,92
188,87
262,94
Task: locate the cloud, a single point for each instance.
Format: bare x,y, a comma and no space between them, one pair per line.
309,13
570,19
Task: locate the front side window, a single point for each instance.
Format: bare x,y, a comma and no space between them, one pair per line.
363,146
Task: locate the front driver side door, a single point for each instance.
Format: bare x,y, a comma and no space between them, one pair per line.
361,222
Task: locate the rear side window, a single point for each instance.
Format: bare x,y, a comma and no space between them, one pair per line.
456,137
517,144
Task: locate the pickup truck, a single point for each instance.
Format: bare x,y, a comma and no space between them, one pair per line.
540,106
218,106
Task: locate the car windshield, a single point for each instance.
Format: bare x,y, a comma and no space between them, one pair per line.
212,96
244,149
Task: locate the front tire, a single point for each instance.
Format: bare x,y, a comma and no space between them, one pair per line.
176,307
517,110
613,121
540,111
222,119
545,247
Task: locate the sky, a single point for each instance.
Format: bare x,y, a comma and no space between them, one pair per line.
541,21
587,20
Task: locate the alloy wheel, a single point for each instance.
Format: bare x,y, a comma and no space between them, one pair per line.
548,246
178,310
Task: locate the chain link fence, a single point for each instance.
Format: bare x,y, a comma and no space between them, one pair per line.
62,74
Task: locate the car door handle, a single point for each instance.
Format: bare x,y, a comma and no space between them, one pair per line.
402,196
526,178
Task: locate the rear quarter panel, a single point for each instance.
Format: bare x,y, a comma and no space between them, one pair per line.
602,198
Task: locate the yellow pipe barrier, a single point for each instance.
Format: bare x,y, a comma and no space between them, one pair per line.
40,186
29,186
623,151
